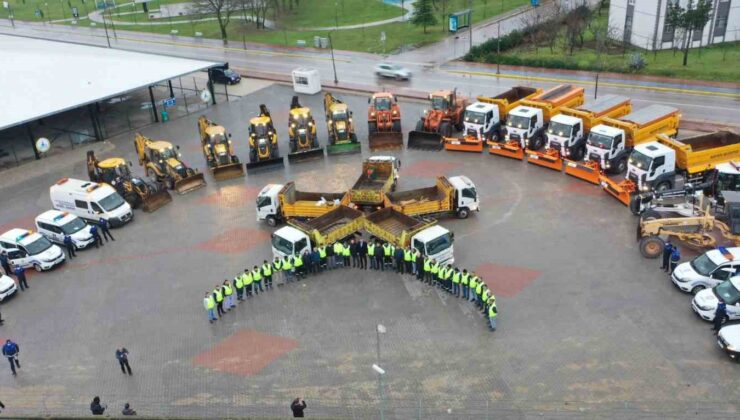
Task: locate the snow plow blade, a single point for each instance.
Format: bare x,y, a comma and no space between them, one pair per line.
425,140
306,155
385,141
465,144
156,201
343,148
509,149
272,163
190,183
223,172
548,159
587,171
622,191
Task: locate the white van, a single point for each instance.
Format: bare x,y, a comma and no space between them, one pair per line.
7,287
705,302
55,225
707,270
26,248
90,201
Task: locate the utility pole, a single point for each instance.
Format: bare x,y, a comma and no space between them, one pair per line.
498,40
336,17
470,6
105,26
333,64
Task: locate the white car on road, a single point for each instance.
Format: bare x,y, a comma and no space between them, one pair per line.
393,71
707,270
705,302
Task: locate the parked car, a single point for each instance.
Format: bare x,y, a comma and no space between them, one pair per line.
393,71
728,339
225,76
705,302
707,270
7,287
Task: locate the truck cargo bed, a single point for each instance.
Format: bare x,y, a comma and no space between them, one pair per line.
332,226
603,104
423,201
516,93
647,115
711,140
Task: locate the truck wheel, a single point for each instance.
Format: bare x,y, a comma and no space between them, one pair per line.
132,199
445,129
621,166
397,126
651,246
651,215
697,289
578,153
272,221
372,127
663,186
463,213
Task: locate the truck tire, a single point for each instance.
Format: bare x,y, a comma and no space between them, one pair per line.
651,246
578,153
445,129
272,221
372,127
663,186
463,213
651,215
397,126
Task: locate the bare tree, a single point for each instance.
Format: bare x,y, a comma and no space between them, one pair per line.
576,23
530,25
223,9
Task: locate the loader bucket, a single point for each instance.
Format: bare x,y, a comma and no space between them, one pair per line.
465,144
343,148
510,149
587,171
306,155
156,200
425,140
223,172
385,141
190,183
549,159
622,191
272,163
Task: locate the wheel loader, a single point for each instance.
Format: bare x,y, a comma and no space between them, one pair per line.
263,142
304,144
384,122
163,163
445,116
148,194
218,150
342,137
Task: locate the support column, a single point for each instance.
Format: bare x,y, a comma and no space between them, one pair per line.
32,140
210,88
154,104
95,122
172,92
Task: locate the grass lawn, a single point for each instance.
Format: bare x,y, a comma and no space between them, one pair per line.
56,9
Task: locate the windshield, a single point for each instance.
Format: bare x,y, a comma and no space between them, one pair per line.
728,182
340,116
439,102
229,72
518,121
38,246
559,129
263,201
168,153
383,104
260,130
599,140
111,202
703,265
218,138
283,245
475,117
74,226
727,292
437,245
640,160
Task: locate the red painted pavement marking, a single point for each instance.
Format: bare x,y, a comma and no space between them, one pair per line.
235,241
245,353
506,281
428,168
232,196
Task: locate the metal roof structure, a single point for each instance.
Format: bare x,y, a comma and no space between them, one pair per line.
39,78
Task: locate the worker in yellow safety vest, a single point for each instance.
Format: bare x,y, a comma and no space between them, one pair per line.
210,304
248,280
322,258
408,259
267,274
371,254
492,312
387,254
473,287
298,265
415,258
464,282
479,294
435,273
219,296
427,270
288,269
239,286
277,267
346,254
484,298
456,282
228,295
338,254
257,277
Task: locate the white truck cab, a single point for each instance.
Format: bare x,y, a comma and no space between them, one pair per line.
268,202
289,241
566,135
396,164
55,225
482,121
26,248
606,145
466,196
91,201
7,287
707,270
706,301
526,125
652,166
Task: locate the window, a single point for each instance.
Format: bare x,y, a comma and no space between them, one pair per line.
658,162
723,12
419,246
7,245
533,121
698,34
469,193
81,204
617,141
300,80
721,274
263,201
96,208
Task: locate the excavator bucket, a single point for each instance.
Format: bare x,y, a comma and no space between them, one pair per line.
622,191
223,172
465,144
549,159
191,183
588,171
510,149
385,140
272,163
155,200
425,140
343,148
305,155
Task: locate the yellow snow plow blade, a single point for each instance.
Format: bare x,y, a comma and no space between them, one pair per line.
232,170
190,183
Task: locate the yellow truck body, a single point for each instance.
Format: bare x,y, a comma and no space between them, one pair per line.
593,113
303,204
510,99
701,153
553,100
377,178
332,226
437,199
395,227
645,124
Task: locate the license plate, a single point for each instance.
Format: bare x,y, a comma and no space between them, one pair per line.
572,165
455,142
535,157
496,147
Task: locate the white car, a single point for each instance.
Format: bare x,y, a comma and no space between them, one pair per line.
705,302
707,270
393,71
30,249
728,339
55,225
7,287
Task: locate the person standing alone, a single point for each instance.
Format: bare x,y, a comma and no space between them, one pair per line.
667,249
122,356
209,302
297,406
20,274
11,351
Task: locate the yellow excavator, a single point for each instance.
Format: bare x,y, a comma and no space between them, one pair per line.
218,150
342,137
304,144
162,163
263,141
136,191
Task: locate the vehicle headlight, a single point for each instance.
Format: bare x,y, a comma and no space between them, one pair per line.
607,164
292,125
731,347
506,137
372,114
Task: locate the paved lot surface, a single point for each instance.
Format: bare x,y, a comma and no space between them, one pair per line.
588,328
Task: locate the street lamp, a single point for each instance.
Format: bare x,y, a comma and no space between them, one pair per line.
379,330
333,64
336,18
380,371
498,41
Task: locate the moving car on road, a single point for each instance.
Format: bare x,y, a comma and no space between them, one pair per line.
707,270
393,71
705,302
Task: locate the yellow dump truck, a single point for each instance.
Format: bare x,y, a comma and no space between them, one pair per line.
277,203
379,176
336,225
455,195
526,124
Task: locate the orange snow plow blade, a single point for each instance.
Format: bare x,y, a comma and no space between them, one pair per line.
588,171
549,159
622,191
510,149
465,144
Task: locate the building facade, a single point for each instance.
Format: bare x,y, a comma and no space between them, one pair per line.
642,23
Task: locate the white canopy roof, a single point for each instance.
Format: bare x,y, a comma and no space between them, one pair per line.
39,78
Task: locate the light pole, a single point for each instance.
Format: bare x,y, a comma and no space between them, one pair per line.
498,41
470,6
380,329
336,17
333,64
380,371
105,26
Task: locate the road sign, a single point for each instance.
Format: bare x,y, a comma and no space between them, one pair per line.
205,95
43,145
169,102
75,13
453,23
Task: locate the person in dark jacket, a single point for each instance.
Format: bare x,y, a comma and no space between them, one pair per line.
355,253
398,256
362,253
4,262
675,259
96,236
378,256
719,316
69,244
127,410
11,351
667,249
105,228
297,407
122,356
20,274
96,407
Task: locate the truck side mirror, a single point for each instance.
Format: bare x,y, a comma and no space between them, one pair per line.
369,99
229,135
177,147
130,164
